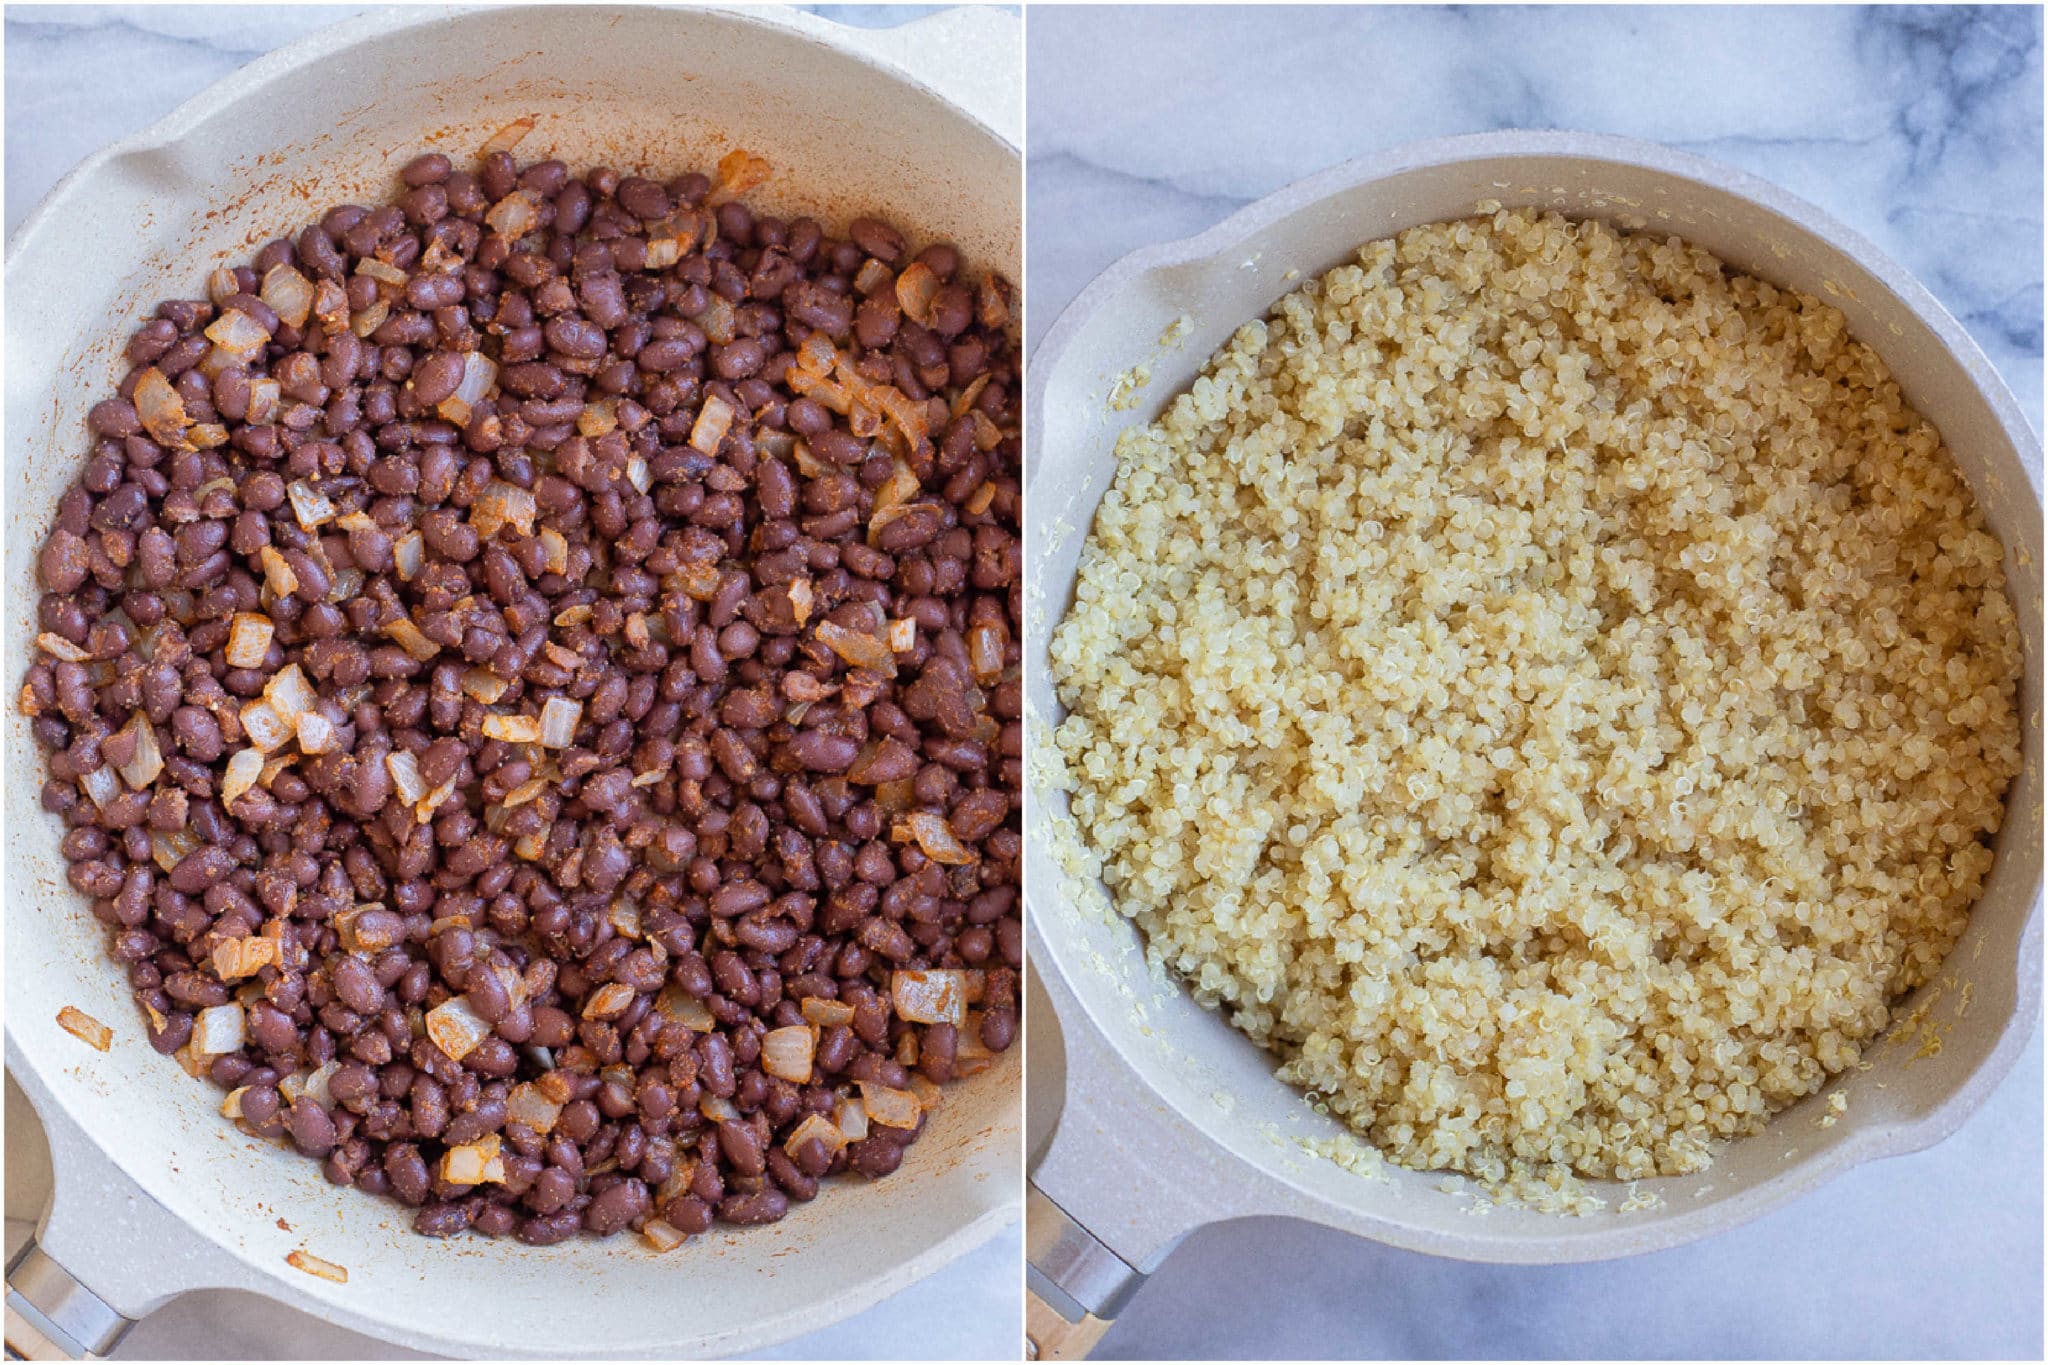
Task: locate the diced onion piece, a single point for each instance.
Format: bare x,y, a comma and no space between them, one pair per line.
141,770
161,409
236,332
474,1163
985,643
208,435
903,634
934,836
637,475
370,319
482,685
347,583
512,729
971,1056
807,462
786,1053
513,216
57,647
608,1001
801,599
433,801
738,171
873,278
265,728
314,1084
559,718
221,285
983,498
890,1107
717,319
850,1117
663,1235
557,546
858,648
290,695
992,302
815,1126
625,918
382,271
934,997
502,504
169,847
330,304
676,1004
235,958
313,1265
85,1028
479,376
524,792
926,1091
406,779
317,734
289,294
278,575
508,137
714,419
219,1030
310,506
899,490
241,771
916,288
409,553
248,639
531,846
826,1013
231,1107
455,1028
408,637
817,355
717,1108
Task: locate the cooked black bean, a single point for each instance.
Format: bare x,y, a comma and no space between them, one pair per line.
725,829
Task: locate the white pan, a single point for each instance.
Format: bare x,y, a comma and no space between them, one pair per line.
155,1193
1170,1118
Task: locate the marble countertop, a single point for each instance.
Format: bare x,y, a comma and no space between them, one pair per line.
78,78
1920,128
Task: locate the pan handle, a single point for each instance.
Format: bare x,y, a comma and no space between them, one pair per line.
51,1315
1075,1286
105,1254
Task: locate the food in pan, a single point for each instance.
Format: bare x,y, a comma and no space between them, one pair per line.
528,678
1549,688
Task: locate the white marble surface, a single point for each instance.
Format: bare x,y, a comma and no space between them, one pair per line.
1920,128
79,77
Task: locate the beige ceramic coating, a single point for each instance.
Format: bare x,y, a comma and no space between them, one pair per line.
1171,1119
917,124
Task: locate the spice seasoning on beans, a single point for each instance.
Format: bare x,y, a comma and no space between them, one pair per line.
528,675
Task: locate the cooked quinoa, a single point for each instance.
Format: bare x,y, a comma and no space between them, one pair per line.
1549,689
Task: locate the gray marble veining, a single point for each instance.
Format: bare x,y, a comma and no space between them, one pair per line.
1921,128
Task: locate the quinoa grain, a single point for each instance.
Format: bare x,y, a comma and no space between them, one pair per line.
1549,689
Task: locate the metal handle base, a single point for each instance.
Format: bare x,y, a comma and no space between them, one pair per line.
1076,1284
51,1316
